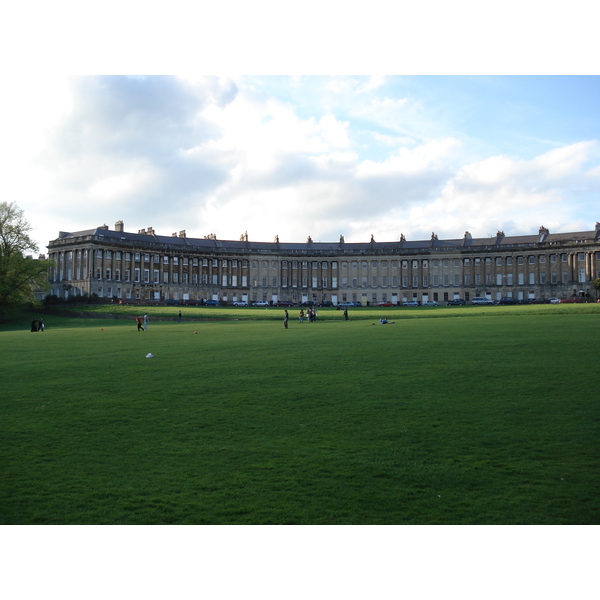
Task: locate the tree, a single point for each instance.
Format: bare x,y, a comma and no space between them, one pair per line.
597,284
21,276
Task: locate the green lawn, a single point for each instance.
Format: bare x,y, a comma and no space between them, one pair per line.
481,415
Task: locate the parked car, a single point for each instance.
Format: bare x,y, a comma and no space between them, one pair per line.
508,300
284,303
308,303
431,303
482,301
327,303
172,303
411,303
260,303
211,303
386,304
554,300
456,302
571,300
240,303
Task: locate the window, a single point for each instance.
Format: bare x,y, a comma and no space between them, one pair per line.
224,280
165,260
581,275
415,281
488,260
108,254
128,256
532,260
509,279
374,282
520,260
175,277
165,277
146,258
108,274
498,279
175,260
498,262
136,275
146,275
415,264
509,261
136,256
118,255
117,274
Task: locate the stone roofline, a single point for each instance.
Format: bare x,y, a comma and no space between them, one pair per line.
149,237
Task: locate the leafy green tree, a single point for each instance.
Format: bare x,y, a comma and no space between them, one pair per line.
597,284
21,276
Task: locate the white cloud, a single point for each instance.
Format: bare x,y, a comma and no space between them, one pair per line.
214,154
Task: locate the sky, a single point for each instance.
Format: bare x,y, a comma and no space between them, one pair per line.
298,156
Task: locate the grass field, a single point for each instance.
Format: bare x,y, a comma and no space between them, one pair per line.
466,415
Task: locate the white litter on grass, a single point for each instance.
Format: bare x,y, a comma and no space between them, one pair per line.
149,355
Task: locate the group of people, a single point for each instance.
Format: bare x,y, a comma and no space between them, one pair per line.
311,315
37,324
142,322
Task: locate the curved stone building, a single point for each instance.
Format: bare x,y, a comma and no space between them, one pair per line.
147,267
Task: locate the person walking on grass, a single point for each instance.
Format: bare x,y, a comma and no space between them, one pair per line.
145,321
180,317
138,320
33,325
285,319
346,318
301,316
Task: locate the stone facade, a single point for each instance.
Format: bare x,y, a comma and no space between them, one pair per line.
148,267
